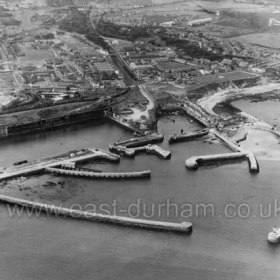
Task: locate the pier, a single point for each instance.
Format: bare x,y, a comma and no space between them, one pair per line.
98,175
68,159
158,151
187,137
194,162
238,154
141,141
184,227
149,149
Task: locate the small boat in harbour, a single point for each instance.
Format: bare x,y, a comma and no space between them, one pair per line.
274,236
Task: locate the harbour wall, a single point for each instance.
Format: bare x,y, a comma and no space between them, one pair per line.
98,175
120,122
193,163
40,166
187,137
149,149
184,227
141,141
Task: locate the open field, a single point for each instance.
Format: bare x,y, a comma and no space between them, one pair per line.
202,81
269,40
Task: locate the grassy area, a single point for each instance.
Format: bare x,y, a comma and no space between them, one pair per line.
270,40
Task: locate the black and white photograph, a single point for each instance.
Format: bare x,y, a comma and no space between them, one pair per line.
139,139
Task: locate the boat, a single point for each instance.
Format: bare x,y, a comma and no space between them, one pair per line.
274,236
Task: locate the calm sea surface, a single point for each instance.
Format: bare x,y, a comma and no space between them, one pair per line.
219,247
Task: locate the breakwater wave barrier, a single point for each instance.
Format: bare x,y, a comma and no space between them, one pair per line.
194,162
187,137
184,227
149,149
98,175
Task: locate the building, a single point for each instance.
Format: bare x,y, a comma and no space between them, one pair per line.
197,22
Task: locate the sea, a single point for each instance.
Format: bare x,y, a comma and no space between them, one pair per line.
232,212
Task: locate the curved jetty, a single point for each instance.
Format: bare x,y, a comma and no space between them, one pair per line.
149,149
67,159
184,227
187,137
194,162
97,175
141,141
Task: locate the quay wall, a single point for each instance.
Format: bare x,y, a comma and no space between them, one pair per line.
98,175
149,149
53,163
184,227
123,124
141,141
193,163
187,137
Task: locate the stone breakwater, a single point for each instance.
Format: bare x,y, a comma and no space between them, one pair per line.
194,162
103,175
70,158
184,227
149,149
238,154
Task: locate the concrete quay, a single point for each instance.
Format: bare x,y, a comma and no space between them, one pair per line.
98,175
123,151
230,144
141,141
194,162
238,154
67,159
184,227
158,151
175,138
149,149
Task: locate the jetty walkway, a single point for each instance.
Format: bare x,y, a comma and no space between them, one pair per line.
68,159
194,162
149,149
98,175
184,227
238,154
175,138
141,141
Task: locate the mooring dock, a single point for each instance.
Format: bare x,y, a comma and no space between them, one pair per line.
184,227
188,137
149,149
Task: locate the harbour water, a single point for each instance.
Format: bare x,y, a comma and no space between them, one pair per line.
261,110
221,246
